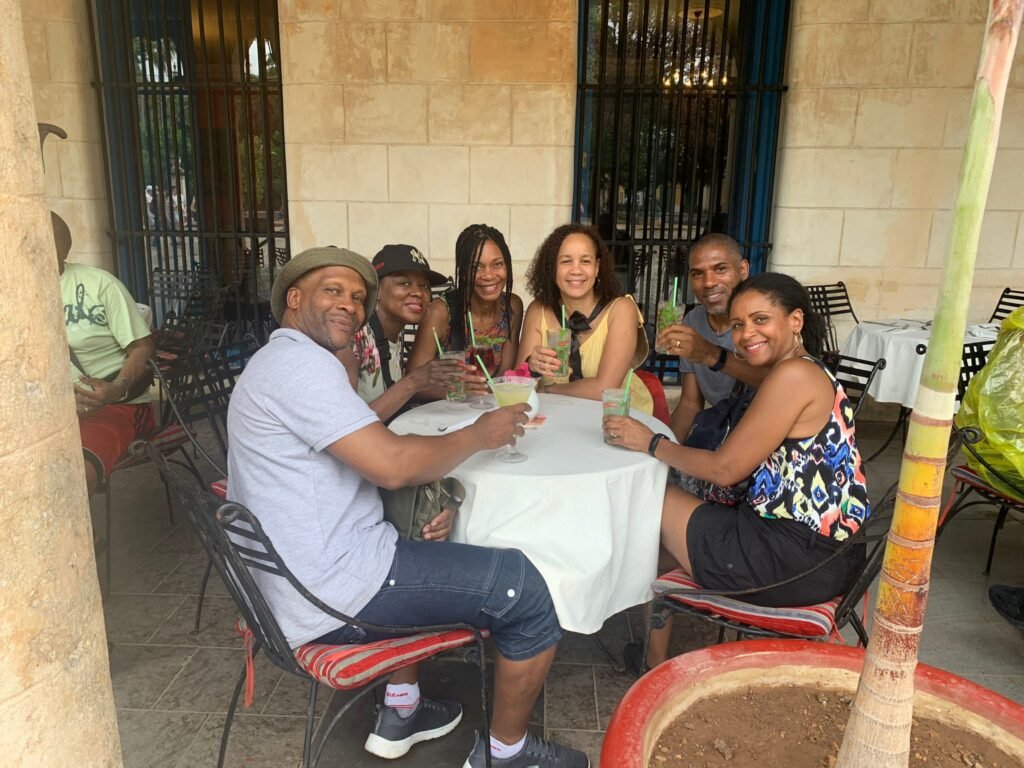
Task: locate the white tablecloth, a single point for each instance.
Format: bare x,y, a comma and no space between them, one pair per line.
585,513
902,343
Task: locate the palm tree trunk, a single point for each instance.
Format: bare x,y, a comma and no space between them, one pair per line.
878,732
56,703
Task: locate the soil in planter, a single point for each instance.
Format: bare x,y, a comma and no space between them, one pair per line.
796,726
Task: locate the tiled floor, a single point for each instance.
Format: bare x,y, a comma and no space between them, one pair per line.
172,686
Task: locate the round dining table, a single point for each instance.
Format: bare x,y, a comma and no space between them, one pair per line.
587,514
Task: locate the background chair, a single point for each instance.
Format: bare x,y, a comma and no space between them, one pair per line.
831,301
967,481
654,386
236,543
1009,300
677,592
855,375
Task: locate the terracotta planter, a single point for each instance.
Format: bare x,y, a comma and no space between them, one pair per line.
657,698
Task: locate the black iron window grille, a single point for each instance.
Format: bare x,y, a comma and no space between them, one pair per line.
677,122
193,123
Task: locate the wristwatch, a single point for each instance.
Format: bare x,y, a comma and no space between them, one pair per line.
723,355
123,382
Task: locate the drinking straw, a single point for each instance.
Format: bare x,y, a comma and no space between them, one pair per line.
563,315
675,288
438,342
629,380
472,333
484,369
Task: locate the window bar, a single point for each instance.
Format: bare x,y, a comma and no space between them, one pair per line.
597,176
758,97
636,146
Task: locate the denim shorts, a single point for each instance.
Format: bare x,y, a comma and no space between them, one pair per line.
434,582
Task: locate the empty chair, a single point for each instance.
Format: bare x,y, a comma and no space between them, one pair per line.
855,375
973,360
1009,300
236,544
831,301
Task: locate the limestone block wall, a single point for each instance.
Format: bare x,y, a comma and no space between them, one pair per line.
58,38
406,120
870,147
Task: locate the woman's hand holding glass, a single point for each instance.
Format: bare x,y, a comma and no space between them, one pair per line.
627,432
544,360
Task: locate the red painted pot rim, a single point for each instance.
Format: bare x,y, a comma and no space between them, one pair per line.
626,731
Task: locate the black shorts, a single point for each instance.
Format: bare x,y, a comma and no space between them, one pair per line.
735,548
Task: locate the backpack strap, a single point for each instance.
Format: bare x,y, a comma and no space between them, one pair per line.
383,349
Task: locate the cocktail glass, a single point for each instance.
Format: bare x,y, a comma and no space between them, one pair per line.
455,386
669,314
559,340
510,390
614,402
486,354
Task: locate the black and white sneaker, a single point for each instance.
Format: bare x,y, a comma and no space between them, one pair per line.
536,753
393,736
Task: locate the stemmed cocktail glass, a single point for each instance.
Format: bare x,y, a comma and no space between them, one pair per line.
510,390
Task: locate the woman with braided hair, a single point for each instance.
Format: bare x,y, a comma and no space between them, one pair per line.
483,290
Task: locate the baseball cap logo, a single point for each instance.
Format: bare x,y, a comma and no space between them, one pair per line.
418,257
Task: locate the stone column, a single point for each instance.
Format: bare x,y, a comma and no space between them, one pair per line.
56,703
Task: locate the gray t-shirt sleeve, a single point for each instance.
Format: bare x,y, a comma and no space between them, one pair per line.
313,376
687,366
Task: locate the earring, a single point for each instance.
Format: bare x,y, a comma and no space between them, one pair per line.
738,356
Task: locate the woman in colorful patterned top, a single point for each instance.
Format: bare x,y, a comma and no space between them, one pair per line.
482,289
798,447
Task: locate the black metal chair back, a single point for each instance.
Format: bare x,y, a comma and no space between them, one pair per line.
1009,300
973,360
855,374
830,301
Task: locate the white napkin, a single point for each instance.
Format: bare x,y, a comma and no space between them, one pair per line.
463,424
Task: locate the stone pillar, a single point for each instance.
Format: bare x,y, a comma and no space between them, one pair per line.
56,703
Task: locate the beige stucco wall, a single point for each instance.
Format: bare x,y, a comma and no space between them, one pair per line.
406,120
59,42
869,152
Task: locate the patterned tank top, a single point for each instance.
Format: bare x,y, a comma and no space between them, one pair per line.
489,341
819,480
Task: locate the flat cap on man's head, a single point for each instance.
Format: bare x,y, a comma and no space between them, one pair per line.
318,258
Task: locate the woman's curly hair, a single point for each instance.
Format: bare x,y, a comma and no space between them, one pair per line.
541,275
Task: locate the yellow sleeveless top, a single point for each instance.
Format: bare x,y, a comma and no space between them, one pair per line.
592,349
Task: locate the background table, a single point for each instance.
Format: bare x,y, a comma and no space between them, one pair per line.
902,343
588,515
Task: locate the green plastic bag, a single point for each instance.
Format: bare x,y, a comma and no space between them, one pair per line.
994,402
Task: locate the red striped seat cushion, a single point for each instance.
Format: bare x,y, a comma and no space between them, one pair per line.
806,621
350,666
220,487
968,476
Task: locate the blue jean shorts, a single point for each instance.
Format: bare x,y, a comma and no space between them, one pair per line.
434,582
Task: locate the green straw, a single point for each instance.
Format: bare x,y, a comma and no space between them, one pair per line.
675,288
484,369
438,342
629,380
472,333
563,315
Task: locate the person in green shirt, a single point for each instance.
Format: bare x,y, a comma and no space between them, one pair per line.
110,345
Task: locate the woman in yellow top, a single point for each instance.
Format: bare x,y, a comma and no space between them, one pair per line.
572,269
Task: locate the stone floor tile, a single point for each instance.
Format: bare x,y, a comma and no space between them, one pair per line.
570,699
291,697
206,682
216,626
187,576
137,572
135,618
255,742
179,540
141,673
611,686
154,739
585,741
972,647
586,649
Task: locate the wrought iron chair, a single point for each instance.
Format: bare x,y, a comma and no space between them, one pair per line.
237,545
677,592
830,301
1009,300
968,481
855,375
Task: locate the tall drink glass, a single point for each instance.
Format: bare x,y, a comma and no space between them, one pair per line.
615,402
486,353
559,340
455,387
669,314
510,390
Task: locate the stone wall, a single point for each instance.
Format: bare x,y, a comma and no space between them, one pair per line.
58,38
406,120
870,146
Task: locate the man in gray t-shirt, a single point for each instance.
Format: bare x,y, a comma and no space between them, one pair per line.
307,457
704,340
